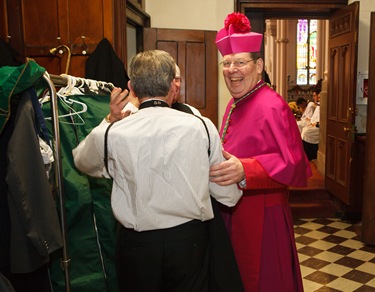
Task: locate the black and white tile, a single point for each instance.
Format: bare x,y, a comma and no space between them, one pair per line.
332,256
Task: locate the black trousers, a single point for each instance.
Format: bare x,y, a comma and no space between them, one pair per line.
311,150
37,281
172,259
224,274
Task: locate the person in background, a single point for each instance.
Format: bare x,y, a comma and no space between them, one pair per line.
297,107
301,105
176,104
159,160
310,108
310,133
264,155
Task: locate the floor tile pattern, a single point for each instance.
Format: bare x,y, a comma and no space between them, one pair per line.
332,256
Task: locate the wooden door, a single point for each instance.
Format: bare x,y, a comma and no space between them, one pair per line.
36,27
196,54
341,101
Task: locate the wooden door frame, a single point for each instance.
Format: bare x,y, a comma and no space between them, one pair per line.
319,9
292,8
368,218
136,16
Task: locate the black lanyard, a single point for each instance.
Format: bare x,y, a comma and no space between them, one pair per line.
152,103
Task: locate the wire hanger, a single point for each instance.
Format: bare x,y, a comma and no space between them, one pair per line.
68,102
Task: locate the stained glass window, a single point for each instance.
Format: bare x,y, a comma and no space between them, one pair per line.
306,51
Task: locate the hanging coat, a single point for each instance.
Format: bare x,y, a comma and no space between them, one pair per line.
104,65
31,211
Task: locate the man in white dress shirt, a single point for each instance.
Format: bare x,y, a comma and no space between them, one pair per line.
159,159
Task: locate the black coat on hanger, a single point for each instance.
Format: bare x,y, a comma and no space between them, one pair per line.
8,55
104,65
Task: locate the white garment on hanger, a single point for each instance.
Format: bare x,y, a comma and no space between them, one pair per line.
47,155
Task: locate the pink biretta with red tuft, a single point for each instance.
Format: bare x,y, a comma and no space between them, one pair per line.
236,36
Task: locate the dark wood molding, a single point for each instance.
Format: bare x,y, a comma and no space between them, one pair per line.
119,23
136,15
139,19
290,8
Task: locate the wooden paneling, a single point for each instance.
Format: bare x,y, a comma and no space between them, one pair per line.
330,157
40,32
334,83
341,102
195,70
3,19
77,26
196,55
85,19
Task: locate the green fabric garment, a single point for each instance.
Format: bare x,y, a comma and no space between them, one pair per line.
14,80
91,227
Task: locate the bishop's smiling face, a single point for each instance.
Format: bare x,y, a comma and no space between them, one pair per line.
241,73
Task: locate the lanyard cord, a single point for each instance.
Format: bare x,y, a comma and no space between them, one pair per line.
234,104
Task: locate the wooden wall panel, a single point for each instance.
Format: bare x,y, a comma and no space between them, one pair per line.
345,90
195,71
330,160
85,19
334,84
196,55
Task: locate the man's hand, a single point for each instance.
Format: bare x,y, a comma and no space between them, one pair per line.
227,172
119,99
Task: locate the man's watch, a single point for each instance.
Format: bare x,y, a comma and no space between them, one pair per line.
242,184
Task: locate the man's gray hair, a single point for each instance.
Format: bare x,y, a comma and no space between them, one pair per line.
151,73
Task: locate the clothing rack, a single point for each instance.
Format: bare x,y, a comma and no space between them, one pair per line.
53,82
61,81
58,176
58,80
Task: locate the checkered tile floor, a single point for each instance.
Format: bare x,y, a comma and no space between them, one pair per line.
332,256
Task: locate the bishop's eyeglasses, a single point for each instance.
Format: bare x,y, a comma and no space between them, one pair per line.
236,64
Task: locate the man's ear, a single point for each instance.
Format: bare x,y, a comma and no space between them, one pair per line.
174,86
131,89
260,65
172,94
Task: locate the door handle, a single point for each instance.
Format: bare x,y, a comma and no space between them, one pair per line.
351,129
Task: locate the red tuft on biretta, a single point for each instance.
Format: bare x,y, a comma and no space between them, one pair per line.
236,36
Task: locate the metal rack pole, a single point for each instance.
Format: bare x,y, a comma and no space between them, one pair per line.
58,178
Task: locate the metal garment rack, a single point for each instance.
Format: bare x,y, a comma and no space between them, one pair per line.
58,178
62,81
54,81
